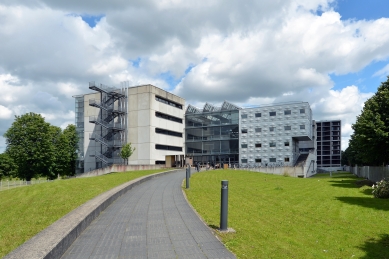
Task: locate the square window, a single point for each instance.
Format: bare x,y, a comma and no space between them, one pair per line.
244,116
244,130
258,160
244,145
287,127
272,113
273,160
272,128
258,145
302,126
244,160
287,112
286,144
302,110
258,129
258,114
272,144
286,159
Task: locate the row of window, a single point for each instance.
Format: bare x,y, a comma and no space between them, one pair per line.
168,132
273,128
271,144
166,147
168,102
168,117
258,114
271,160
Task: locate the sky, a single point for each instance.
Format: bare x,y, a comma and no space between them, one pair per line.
331,53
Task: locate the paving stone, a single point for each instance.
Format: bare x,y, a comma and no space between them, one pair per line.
152,220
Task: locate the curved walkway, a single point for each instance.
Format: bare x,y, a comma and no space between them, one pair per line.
152,220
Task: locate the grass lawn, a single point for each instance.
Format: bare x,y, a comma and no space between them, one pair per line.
285,217
25,211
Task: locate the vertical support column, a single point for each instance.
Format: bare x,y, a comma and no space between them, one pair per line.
224,205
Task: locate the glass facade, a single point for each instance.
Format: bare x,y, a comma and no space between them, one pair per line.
212,134
79,101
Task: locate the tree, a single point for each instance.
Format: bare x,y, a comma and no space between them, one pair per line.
71,136
7,166
29,144
370,141
126,152
61,156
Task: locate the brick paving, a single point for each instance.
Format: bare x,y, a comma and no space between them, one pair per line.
152,220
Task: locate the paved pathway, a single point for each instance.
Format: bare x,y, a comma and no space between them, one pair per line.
152,220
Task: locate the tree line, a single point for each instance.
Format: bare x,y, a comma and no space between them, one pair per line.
35,148
369,144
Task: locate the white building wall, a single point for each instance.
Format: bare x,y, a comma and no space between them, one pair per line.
90,146
281,135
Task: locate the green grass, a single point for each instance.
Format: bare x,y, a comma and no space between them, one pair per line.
26,211
285,217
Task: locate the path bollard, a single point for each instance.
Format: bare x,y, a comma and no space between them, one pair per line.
224,205
187,178
189,171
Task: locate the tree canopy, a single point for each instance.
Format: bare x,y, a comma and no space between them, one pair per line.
126,151
40,149
369,144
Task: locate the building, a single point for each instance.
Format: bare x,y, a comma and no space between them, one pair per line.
212,134
271,135
149,118
329,144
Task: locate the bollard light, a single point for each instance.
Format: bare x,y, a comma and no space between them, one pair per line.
224,205
187,178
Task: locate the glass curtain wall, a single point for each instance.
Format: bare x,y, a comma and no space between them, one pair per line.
212,135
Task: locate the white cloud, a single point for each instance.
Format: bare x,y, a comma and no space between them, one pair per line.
249,53
5,113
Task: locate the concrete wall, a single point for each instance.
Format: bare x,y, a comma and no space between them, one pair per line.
119,168
90,146
142,123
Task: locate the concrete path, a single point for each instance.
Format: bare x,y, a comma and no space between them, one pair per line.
152,220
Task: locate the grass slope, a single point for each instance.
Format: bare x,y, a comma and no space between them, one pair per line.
284,217
26,211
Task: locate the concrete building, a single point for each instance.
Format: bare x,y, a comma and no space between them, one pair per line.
271,135
329,144
149,118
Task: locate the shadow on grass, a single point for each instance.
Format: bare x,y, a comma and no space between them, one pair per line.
373,203
376,247
344,183
214,227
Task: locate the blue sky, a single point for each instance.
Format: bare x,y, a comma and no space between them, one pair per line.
362,10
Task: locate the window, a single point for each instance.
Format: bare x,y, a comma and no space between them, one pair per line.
302,110
244,130
244,145
272,144
243,116
168,132
166,147
273,160
244,160
159,162
286,159
168,102
258,145
286,144
258,160
272,113
167,117
258,114
287,112
287,127
302,126
272,128
258,129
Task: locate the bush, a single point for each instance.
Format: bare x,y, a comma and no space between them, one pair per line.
381,190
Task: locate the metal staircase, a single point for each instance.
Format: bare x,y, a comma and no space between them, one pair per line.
110,124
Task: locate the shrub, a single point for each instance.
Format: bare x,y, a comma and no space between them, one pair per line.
381,190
